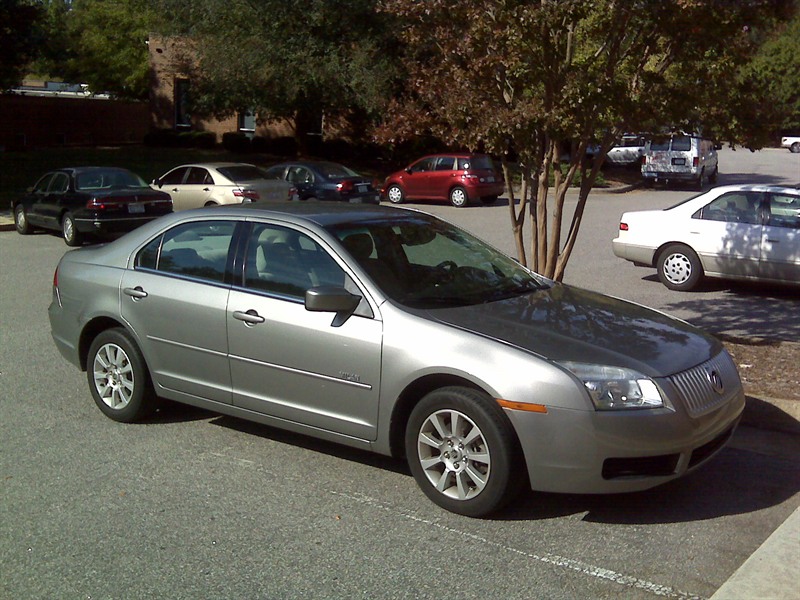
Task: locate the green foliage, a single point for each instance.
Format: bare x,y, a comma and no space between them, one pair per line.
20,37
101,43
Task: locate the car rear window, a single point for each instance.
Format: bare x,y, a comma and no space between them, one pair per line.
242,173
99,179
336,171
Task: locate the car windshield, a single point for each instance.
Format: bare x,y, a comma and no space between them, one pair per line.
243,173
335,171
107,178
422,262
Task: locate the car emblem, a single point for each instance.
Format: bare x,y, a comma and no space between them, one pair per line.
716,381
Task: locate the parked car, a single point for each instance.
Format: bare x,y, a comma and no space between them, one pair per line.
680,157
626,152
792,142
88,201
322,180
736,232
209,184
392,331
457,178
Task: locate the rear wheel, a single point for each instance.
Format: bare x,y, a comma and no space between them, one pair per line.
395,194
795,148
72,237
462,451
21,220
714,176
458,197
701,180
679,268
118,377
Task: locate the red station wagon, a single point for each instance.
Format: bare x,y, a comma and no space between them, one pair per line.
458,178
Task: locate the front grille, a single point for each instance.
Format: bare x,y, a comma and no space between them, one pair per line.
706,450
709,385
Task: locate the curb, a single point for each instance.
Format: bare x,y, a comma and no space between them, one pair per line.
6,221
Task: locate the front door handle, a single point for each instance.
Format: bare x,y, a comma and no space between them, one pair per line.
251,317
136,293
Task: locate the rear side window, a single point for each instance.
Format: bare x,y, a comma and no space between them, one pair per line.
784,211
445,163
475,162
198,250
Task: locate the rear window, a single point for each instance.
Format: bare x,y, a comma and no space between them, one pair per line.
98,179
679,143
336,171
242,173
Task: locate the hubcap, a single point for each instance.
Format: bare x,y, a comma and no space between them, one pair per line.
454,454
677,268
21,219
113,376
395,195
458,197
68,229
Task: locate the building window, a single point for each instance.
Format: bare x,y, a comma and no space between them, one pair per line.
182,117
247,123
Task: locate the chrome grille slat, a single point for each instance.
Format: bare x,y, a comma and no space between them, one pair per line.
696,389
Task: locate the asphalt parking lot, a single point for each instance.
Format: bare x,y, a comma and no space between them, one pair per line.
194,505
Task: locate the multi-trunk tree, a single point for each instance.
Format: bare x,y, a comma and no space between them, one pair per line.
544,79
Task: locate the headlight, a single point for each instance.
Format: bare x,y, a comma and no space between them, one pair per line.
615,388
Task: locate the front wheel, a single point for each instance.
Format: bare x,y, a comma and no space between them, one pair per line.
72,237
118,377
463,452
795,148
21,220
458,197
679,268
395,194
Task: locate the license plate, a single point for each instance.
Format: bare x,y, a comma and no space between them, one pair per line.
136,208
362,188
678,161
490,179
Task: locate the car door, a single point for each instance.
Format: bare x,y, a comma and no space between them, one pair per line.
780,252
34,200
416,181
53,203
726,234
441,178
175,301
172,183
303,181
294,364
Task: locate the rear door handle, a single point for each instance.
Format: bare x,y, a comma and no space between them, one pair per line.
136,293
251,317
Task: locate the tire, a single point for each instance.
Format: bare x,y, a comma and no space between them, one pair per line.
714,176
701,181
394,194
795,148
679,268
487,200
472,478
72,237
21,220
458,197
118,377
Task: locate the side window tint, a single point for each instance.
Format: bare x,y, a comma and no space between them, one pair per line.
286,262
60,183
737,207
784,211
423,165
175,176
41,185
197,250
446,163
198,176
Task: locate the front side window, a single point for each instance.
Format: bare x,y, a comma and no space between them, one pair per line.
43,183
299,175
285,262
736,207
198,250
174,177
426,164
60,183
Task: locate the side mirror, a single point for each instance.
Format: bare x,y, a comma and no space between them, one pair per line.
332,299
156,182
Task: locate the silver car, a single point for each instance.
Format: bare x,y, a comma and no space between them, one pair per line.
747,232
392,331
210,184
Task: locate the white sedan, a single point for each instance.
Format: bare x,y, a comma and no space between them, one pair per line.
749,232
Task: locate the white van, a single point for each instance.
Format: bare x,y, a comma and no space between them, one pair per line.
680,157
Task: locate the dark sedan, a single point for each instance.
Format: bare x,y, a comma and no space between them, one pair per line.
89,201
321,180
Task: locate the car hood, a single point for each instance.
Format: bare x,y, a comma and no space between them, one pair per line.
566,323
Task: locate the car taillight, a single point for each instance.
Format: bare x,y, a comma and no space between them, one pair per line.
344,186
55,279
644,160
291,194
623,227
247,195
470,177
96,204
695,161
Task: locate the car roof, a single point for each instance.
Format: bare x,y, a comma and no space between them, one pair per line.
320,213
214,165
76,170
753,187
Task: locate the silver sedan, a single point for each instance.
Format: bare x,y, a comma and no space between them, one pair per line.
393,331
